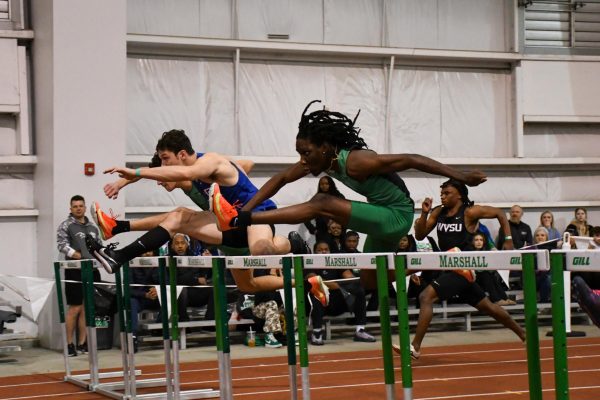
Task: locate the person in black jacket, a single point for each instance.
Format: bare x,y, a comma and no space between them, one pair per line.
201,296
142,297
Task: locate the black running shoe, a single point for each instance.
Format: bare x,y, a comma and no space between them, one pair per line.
298,244
105,255
71,352
82,348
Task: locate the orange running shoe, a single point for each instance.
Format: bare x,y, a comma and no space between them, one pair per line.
468,274
105,222
224,211
319,289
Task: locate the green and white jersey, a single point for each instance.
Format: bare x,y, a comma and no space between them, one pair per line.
387,190
198,198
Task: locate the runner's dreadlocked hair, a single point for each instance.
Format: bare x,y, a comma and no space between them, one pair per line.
331,127
462,189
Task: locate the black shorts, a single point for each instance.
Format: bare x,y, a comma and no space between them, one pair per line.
450,284
238,238
73,291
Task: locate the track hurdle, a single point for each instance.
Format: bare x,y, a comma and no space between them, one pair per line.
525,260
171,381
563,261
256,262
379,262
222,331
91,380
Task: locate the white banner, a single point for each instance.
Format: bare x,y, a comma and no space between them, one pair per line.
476,260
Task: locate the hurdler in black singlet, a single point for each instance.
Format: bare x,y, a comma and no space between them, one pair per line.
452,231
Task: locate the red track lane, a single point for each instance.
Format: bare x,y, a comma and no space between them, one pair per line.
487,371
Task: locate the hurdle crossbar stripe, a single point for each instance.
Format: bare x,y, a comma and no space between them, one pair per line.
144,262
195,261
342,261
259,262
476,260
76,264
581,260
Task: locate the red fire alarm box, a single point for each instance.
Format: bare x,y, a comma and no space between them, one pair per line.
89,169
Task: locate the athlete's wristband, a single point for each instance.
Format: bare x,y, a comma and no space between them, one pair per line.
508,237
138,172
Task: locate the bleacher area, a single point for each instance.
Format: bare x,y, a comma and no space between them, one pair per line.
450,317
445,317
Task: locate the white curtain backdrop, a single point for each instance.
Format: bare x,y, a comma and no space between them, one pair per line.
196,96
437,112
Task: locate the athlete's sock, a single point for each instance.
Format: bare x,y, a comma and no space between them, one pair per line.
243,219
150,240
122,226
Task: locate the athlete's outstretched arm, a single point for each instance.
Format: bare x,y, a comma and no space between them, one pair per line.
273,185
364,163
475,213
204,168
111,190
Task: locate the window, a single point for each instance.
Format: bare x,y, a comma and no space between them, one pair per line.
561,24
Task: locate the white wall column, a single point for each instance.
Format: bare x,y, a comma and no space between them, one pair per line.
79,75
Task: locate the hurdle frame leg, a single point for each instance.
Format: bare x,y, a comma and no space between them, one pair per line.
289,324
386,330
302,330
403,325
222,329
61,315
559,330
531,326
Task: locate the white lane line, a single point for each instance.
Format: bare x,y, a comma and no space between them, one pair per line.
458,396
53,395
507,392
356,359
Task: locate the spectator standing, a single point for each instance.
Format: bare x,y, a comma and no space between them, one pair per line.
70,239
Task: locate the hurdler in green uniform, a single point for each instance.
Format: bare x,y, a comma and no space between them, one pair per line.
329,142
